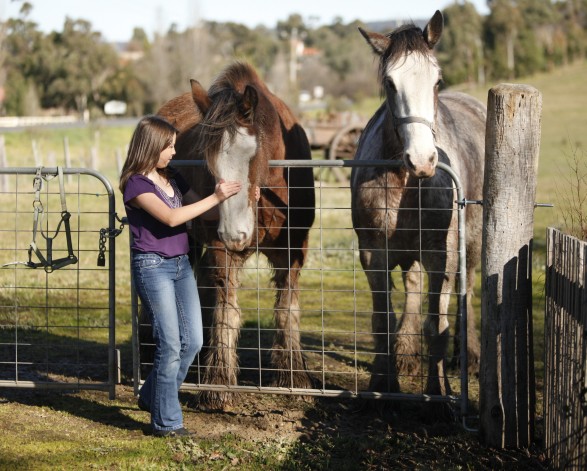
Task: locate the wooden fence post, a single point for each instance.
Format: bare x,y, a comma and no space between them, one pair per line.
507,395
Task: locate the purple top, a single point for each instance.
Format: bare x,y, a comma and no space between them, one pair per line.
149,234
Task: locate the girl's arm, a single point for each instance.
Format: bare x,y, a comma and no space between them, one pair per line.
174,217
211,215
192,197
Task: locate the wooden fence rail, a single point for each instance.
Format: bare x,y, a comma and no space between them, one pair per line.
565,375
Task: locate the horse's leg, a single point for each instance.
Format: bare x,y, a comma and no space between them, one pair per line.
286,353
436,326
408,348
383,321
221,360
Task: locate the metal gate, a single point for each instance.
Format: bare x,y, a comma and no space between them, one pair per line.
336,303
57,292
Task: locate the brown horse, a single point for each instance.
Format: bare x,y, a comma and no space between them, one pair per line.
237,127
404,216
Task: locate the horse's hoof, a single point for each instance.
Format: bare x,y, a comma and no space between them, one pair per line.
296,381
408,365
473,360
407,356
216,401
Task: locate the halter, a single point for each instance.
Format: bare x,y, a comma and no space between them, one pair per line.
47,262
397,122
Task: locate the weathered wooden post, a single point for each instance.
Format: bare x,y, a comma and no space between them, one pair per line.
506,377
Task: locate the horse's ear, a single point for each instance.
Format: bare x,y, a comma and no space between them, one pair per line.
433,29
378,42
249,103
200,96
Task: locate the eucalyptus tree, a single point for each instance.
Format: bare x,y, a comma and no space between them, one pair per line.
501,33
83,63
27,61
460,50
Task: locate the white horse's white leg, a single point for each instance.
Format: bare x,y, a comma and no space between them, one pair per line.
436,330
408,344
383,322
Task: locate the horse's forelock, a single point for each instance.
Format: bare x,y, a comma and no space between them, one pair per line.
407,39
222,117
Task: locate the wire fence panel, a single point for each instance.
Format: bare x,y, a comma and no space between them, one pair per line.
56,302
336,302
565,368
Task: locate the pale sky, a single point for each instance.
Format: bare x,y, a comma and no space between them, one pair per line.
115,19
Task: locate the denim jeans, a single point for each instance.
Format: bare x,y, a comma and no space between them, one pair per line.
167,289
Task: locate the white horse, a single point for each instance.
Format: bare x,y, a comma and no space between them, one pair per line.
404,216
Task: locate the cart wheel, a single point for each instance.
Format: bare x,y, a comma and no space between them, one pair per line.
343,147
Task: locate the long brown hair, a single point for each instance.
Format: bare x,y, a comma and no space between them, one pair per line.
151,136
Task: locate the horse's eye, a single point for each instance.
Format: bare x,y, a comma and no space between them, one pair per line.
439,82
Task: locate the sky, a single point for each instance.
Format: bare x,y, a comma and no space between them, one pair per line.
116,19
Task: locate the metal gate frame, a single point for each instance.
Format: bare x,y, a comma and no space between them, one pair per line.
460,293
106,233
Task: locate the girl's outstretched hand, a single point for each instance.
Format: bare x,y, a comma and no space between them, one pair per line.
225,190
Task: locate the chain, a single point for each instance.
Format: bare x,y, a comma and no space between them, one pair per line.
108,234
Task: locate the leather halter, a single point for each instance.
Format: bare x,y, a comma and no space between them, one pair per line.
398,121
412,119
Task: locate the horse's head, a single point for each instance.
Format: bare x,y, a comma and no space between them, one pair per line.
410,76
228,140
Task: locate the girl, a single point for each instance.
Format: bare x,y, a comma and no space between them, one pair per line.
162,274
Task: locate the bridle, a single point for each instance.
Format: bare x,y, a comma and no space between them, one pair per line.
397,122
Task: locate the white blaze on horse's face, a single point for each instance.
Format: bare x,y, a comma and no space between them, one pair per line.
237,220
411,87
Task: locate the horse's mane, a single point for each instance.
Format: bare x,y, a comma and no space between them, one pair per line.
405,39
224,114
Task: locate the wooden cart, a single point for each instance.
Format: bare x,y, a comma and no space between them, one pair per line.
337,136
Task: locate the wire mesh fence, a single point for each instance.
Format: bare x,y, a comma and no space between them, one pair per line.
56,302
335,299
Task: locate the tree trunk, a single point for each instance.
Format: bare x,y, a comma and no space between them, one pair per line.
506,378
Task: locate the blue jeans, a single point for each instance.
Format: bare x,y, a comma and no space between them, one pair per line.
167,289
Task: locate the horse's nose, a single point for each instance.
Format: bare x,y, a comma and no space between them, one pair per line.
425,170
236,242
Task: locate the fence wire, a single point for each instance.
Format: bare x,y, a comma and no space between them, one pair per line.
335,298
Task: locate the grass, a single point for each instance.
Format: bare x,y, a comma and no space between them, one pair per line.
60,431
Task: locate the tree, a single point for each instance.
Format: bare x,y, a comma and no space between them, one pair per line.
84,64
501,32
460,50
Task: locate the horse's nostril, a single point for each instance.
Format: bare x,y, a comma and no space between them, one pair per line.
432,159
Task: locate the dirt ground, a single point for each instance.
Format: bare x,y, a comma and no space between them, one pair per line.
406,437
